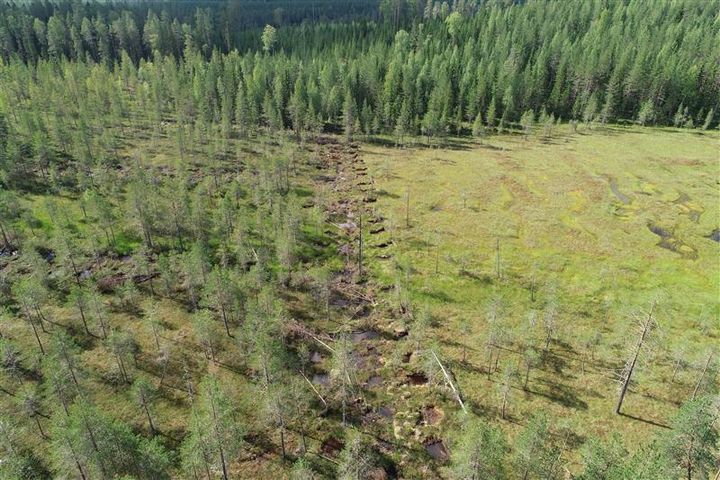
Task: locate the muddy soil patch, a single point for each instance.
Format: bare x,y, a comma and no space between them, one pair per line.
432,415
437,450
363,336
669,242
417,378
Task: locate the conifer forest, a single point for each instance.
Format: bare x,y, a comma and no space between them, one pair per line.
360,239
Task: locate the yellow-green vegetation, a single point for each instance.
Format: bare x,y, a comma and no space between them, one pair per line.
595,225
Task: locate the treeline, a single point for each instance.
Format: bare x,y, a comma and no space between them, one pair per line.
100,31
454,66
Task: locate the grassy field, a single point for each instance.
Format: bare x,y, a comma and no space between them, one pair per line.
599,223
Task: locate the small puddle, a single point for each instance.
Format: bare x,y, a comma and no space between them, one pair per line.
316,357
669,242
437,450
386,412
375,381
715,235
689,208
618,194
362,336
321,379
659,231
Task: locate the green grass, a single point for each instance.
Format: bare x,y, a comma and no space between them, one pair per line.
550,205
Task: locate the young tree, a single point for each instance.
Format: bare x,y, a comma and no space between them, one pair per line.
222,295
535,452
527,121
123,346
215,431
504,389
708,367
479,453
550,324
29,400
78,298
350,118
357,459
708,119
29,293
269,38
531,359
691,444
343,372
17,462
301,470
89,440
646,113
478,130
495,333
99,311
206,333
603,460
154,323
144,392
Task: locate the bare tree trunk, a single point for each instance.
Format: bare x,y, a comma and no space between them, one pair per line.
5,236
702,376
456,391
84,320
77,462
527,377
225,320
147,413
282,439
91,435
630,368
675,371
37,337
360,246
37,422
407,209
222,452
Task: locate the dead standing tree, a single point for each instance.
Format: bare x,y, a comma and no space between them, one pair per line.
645,327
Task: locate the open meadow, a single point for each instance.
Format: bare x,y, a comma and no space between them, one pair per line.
586,230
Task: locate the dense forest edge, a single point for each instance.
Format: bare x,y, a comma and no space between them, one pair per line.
183,291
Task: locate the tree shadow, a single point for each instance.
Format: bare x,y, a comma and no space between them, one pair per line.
644,420
561,394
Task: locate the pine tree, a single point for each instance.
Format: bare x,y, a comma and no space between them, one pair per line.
215,431
357,459
480,452
691,444
350,119
535,453
269,38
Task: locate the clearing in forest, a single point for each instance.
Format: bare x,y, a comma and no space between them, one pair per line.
554,245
